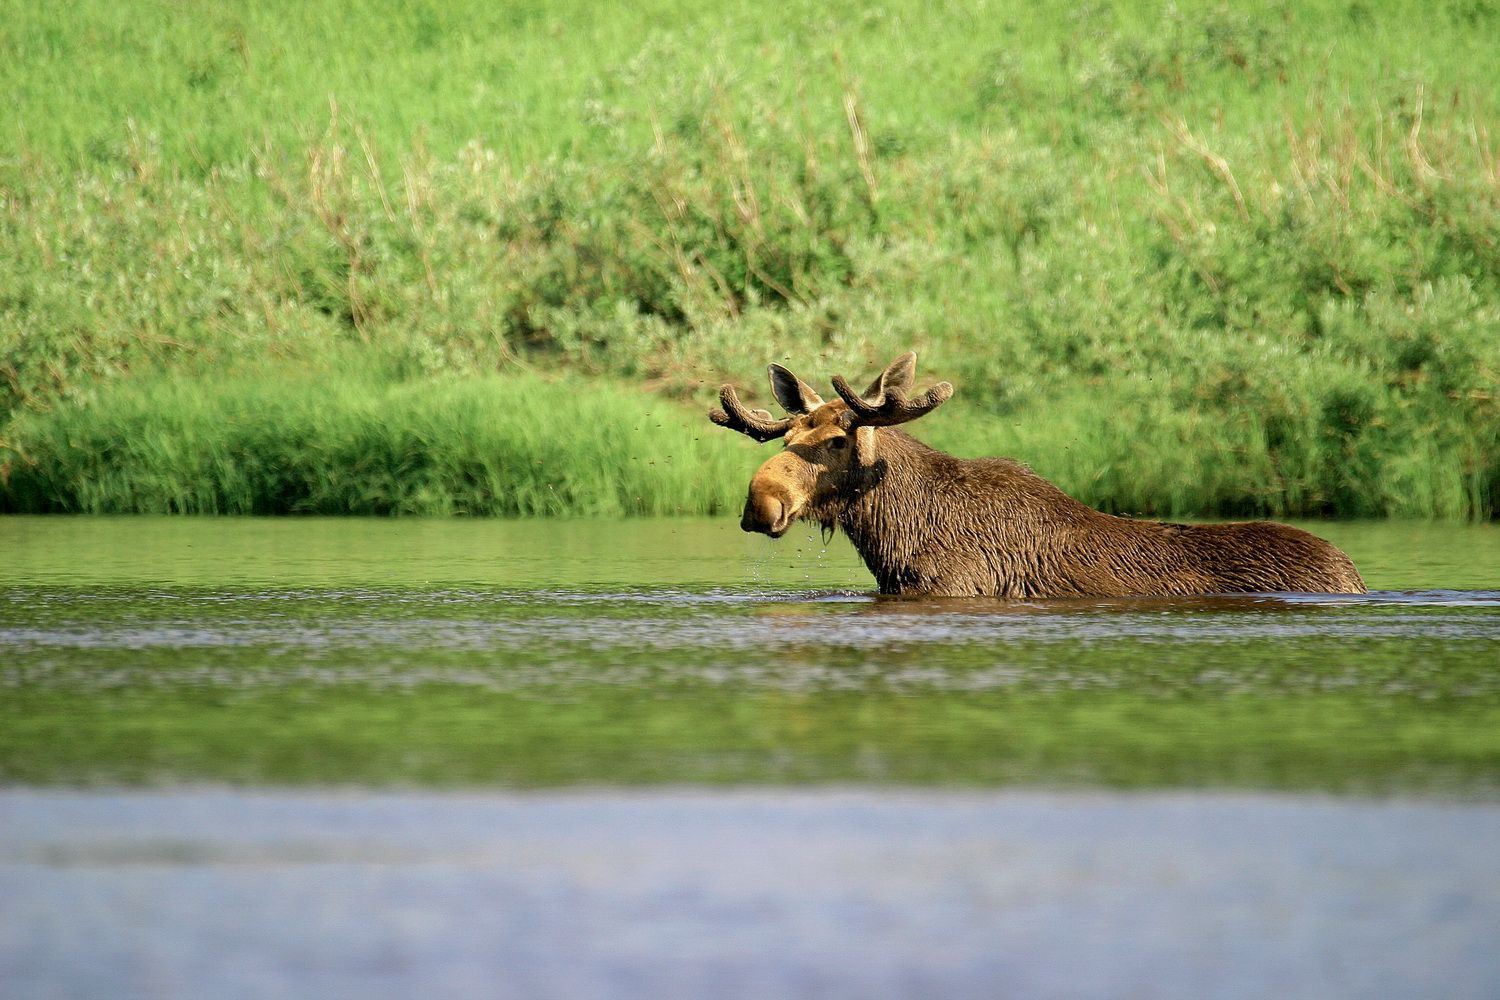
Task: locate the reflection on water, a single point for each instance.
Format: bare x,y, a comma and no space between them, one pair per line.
688,553
510,640
523,653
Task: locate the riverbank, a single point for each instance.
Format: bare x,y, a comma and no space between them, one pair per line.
1182,261
306,442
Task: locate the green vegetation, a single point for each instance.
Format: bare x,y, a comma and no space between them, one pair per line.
517,446
1181,259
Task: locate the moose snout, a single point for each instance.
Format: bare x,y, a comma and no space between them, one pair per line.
777,495
765,513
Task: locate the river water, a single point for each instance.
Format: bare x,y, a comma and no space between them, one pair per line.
661,758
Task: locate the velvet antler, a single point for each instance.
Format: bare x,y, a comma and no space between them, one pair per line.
885,403
757,424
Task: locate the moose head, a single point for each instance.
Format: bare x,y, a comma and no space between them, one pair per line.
831,452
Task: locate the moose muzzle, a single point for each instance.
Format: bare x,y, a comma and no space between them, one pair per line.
767,513
775,498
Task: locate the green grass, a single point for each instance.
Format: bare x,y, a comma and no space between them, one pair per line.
1194,259
516,446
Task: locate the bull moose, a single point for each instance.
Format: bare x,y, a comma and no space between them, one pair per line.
928,523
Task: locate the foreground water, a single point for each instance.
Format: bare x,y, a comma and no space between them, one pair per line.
541,653
745,894
1185,844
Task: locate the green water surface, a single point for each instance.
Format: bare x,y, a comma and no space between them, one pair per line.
527,653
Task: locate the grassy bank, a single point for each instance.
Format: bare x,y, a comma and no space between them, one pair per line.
1195,259
514,446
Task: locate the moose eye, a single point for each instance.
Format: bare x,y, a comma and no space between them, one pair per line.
838,443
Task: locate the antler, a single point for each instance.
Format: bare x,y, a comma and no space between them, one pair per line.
889,405
757,424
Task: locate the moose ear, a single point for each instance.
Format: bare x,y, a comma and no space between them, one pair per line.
899,375
794,395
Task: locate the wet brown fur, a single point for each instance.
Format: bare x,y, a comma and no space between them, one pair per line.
928,523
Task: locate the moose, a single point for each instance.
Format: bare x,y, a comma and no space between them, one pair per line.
927,523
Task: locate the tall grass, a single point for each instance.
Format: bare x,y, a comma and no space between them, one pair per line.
1184,259
487,446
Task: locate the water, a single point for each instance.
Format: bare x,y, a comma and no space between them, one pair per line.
745,894
668,759
464,653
